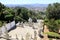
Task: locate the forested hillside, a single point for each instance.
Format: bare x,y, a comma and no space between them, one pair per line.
18,14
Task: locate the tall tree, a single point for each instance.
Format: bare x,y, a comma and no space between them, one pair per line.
53,11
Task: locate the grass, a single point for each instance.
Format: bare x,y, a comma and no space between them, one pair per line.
0,23
53,34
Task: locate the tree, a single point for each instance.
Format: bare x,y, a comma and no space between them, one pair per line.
8,14
22,13
53,11
2,7
53,14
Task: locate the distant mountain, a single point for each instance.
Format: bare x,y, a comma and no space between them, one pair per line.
27,5
36,5
40,7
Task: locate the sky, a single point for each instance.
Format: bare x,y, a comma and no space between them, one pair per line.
29,1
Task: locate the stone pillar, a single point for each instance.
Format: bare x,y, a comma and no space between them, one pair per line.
17,38
45,35
22,24
0,31
35,35
46,29
30,22
59,31
22,38
27,36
